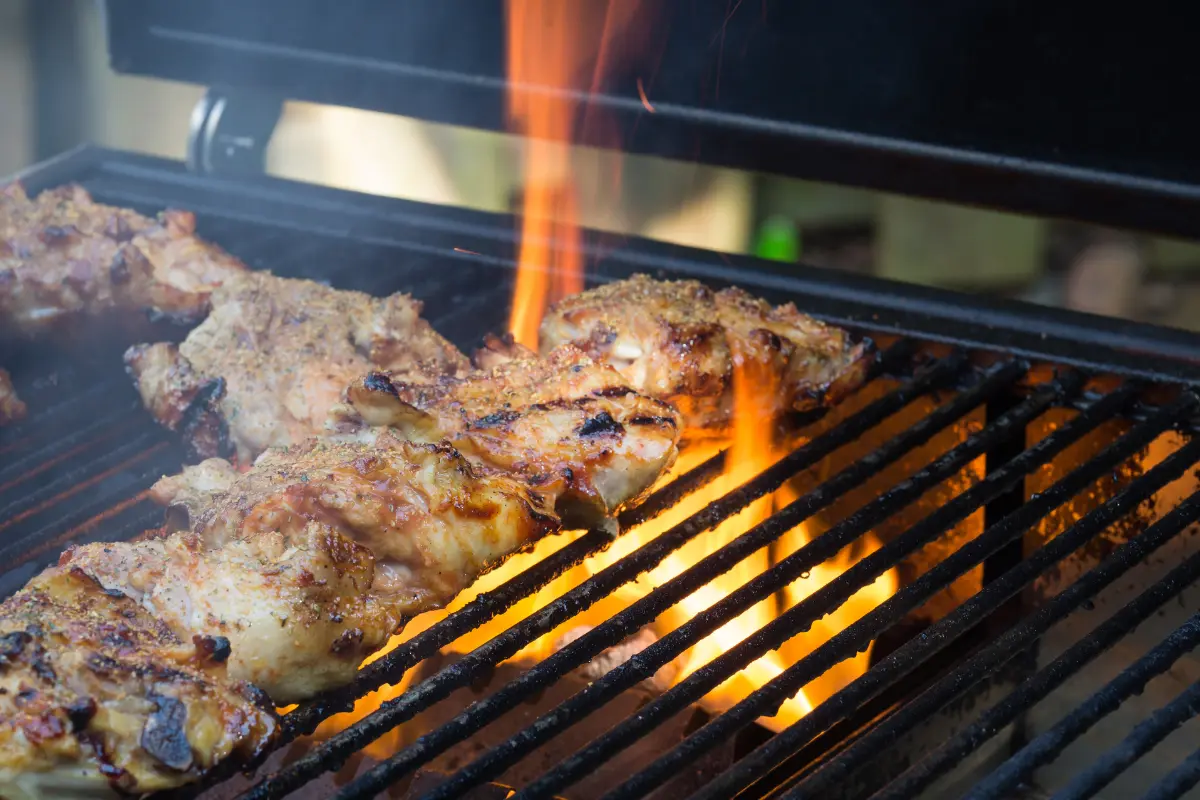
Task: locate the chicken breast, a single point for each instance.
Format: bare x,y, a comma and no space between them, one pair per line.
569,427
310,561
11,407
98,697
266,366
678,341
64,256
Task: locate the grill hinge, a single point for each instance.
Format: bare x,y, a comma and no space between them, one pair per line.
230,130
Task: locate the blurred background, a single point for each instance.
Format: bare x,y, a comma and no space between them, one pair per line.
57,91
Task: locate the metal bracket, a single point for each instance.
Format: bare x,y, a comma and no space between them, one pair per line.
230,130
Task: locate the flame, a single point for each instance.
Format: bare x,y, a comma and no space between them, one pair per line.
549,42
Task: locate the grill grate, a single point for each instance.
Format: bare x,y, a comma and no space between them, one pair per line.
77,472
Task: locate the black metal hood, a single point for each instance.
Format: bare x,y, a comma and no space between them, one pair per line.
959,101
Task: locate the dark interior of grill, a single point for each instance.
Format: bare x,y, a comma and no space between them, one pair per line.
1034,494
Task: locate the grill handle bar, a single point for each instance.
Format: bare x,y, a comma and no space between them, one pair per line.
946,630
646,662
331,754
994,656
1038,686
646,609
1146,735
1178,781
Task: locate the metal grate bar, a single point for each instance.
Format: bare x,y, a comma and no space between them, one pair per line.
1141,740
649,660
1178,781
63,430
991,657
645,610
995,655
767,699
1038,686
20,507
330,754
1132,680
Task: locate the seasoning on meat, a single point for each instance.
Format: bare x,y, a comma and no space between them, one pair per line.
64,256
266,366
569,427
678,340
97,696
317,540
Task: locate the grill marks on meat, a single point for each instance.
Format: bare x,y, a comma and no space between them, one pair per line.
678,340
63,255
266,366
97,694
310,561
11,407
569,427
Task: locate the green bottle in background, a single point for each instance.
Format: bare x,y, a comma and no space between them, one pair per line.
778,240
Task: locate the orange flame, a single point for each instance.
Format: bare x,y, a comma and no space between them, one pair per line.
549,44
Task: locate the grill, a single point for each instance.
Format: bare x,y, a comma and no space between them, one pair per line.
1028,476
1052,467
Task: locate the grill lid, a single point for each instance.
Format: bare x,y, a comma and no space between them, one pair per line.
955,102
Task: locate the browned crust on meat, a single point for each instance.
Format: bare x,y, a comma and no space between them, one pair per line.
179,398
398,499
273,357
571,428
678,341
63,256
90,682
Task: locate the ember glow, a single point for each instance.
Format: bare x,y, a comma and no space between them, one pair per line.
550,44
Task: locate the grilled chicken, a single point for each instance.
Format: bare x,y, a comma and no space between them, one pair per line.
98,697
273,357
188,494
678,341
497,350
569,427
64,255
307,563
11,407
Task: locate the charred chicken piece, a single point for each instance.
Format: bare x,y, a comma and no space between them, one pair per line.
63,255
571,428
98,697
678,341
11,407
310,561
274,355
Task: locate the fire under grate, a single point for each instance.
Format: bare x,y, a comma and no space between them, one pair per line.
78,469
